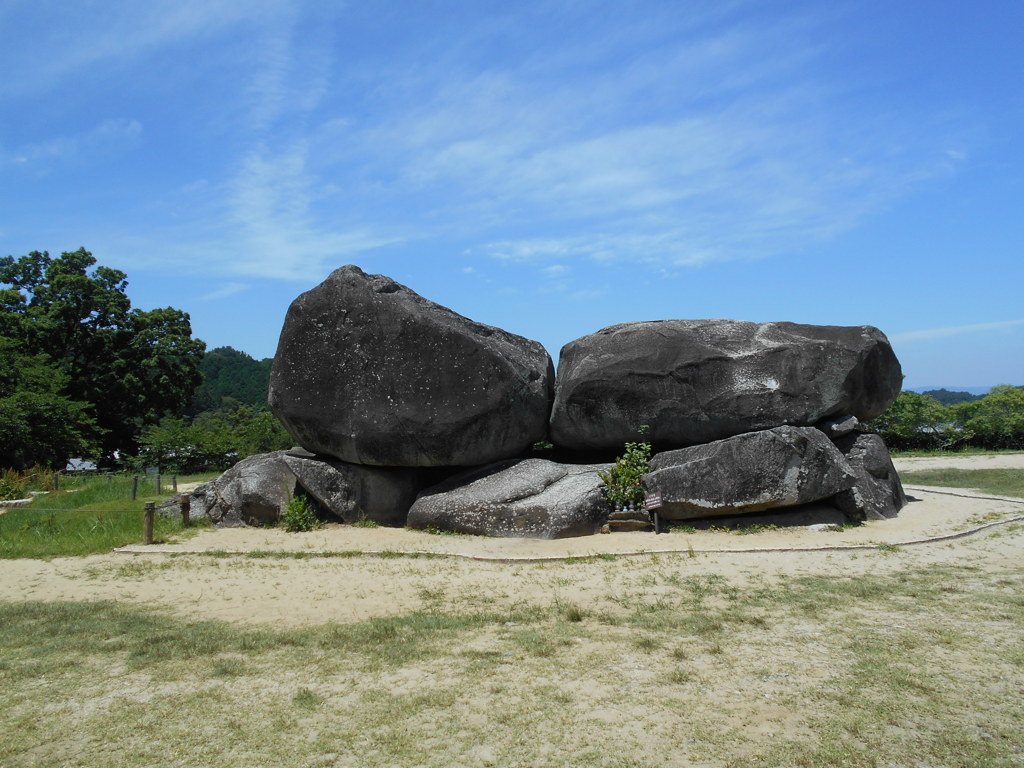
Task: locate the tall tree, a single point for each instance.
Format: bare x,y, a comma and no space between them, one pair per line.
133,367
39,425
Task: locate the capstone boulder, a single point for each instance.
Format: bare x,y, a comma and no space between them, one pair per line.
533,498
696,381
369,372
781,467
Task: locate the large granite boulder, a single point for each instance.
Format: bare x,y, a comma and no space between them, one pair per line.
369,372
877,493
781,467
694,381
256,491
530,498
353,492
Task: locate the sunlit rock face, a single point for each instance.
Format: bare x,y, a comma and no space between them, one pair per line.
367,371
695,381
752,472
533,498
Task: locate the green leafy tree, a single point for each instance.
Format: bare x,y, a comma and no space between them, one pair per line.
213,441
916,421
995,421
132,367
38,424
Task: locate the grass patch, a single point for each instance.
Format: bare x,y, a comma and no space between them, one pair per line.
918,666
28,532
89,515
997,482
935,452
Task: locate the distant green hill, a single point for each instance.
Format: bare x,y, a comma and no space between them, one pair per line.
230,375
946,397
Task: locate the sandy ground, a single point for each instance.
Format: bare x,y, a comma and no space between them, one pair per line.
354,578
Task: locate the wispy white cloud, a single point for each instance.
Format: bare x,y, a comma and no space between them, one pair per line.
940,333
743,153
79,37
109,137
663,138
230,289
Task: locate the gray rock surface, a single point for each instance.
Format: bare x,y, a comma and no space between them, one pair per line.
533,498
255,491
369,372
837,428
877,493
694,381
352,492
780,467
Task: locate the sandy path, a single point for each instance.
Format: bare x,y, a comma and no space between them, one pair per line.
290,591
972,461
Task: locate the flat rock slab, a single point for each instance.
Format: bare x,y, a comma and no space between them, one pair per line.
781,467
533,498
369,372
695,381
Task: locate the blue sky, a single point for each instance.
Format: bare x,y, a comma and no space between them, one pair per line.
547,167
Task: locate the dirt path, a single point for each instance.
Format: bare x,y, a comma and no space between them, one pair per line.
291,590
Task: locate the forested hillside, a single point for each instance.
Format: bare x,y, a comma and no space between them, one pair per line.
230,376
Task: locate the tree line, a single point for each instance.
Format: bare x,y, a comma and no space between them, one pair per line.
84,374
993,422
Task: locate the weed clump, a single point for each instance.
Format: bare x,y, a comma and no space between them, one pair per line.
299,516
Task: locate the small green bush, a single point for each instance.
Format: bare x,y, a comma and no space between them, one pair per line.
299,516
622,480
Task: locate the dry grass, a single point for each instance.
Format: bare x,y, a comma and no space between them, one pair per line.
658,666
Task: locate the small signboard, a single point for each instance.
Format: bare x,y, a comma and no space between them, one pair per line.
652,501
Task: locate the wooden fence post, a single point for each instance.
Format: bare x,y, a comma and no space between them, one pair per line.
110,478
157,483
186,509
135,486
174,483
147,523
56,481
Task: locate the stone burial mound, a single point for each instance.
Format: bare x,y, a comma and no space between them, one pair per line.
410,414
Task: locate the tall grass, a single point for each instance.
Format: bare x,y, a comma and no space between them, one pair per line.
87,516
